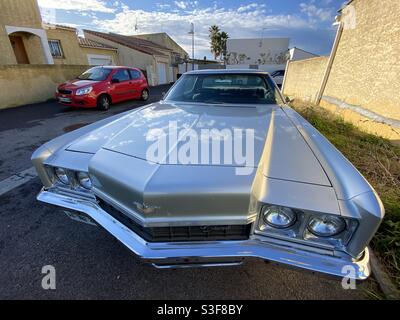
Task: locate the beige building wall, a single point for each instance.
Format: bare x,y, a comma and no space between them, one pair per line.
25,84
74,54
127,56
304,78
20,13
100,52
164,40
69,44
6,51
136,59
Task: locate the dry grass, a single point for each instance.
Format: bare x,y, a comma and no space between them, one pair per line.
379,161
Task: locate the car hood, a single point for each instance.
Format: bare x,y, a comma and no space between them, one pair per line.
76,84
273,138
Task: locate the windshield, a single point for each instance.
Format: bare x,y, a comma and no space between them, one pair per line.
225,88
95,74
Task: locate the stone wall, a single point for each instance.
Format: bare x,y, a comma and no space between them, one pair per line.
26,84
304,78
363,84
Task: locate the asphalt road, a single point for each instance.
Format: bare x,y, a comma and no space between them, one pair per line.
91,264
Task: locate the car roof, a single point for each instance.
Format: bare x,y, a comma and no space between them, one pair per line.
116,67
228,71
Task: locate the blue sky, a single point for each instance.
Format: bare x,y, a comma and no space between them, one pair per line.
308,23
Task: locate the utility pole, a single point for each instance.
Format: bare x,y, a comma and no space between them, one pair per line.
192,33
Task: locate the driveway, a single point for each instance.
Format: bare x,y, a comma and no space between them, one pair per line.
89,263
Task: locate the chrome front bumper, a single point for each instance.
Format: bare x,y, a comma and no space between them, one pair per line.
212,253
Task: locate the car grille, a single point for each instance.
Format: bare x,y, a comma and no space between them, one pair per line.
64,91
179,234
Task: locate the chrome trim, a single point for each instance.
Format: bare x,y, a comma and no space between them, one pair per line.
195,265
152,222
165,253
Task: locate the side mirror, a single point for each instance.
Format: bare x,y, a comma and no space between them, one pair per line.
163,95
114,80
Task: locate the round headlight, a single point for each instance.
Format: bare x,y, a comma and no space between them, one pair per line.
326,226
84,180
61,175
279,217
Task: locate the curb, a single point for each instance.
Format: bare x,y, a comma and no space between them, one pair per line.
385,283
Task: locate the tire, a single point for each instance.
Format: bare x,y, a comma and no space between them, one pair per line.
103,102
145,95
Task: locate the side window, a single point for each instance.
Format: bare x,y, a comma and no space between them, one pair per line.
122,75
135,74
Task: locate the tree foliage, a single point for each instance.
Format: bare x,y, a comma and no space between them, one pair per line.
218,41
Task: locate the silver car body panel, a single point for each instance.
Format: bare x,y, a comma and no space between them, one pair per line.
295,166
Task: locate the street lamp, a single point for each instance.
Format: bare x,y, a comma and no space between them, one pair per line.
192,33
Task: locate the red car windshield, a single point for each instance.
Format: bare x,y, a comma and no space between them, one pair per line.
95,74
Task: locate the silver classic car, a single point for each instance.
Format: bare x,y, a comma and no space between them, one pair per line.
219,171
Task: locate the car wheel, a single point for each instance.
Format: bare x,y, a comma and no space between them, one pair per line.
103,103
145,95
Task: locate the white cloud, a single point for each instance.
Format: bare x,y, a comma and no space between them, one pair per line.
181,4
78,5
239,23
163,6
313,12
246,21
251,6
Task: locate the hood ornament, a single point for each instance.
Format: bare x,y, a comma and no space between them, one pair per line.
145,209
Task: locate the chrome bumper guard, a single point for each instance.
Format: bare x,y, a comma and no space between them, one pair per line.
184,254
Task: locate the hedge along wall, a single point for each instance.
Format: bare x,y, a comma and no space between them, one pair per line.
304,78
26,84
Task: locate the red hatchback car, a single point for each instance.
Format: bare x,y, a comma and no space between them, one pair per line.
101,86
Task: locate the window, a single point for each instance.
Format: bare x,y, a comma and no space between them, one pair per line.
225,88
135,74
55,48
95,74
122,75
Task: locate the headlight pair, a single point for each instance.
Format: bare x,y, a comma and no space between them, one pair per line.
81,92
320,226
300,225
82,178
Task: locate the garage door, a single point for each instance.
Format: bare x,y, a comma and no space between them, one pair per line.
162,73
100,60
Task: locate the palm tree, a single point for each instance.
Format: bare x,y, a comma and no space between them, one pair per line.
223,39
214,42
218,40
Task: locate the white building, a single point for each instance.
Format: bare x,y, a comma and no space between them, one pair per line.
260,51
267,54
